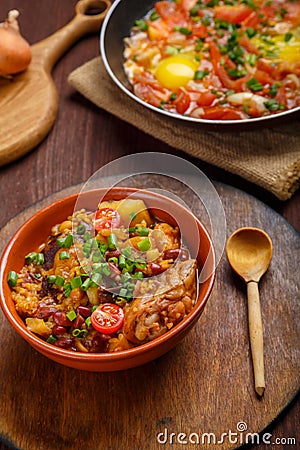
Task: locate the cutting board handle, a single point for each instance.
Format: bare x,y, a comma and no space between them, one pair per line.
52,48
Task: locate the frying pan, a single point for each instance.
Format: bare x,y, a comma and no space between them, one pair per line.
116,27
30,99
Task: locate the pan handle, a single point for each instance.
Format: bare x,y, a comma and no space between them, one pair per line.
89,15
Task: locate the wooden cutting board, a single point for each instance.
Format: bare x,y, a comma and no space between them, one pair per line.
204,385
30,99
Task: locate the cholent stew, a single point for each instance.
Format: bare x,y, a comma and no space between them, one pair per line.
106,281
217,60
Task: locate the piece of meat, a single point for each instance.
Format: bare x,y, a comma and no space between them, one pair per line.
49,252
160,302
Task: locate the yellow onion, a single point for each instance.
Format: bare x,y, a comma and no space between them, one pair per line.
15,52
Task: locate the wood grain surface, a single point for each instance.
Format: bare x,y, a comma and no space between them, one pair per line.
203,386
31,95
83,139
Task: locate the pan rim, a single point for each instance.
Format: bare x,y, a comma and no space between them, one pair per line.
265,120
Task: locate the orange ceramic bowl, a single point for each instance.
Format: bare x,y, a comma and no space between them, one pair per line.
35,231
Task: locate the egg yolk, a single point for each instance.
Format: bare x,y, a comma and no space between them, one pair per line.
290,51
175,71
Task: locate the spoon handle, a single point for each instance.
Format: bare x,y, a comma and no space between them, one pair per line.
256,336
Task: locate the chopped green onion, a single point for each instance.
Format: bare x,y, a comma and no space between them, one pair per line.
103,248
230,92
272,105
273,89
122,261
51,339
87,236
51,279
97,256
40,259
88,321
105,269
173,96
251,32
96,278
59,281
126,252
144,245
64,255
12,278
67,289
81,229
154,16
200,74
112,241
30,258
138,275
123,292
76,282
114,260
65,242
254,85
251,58
86,284
142,231
79,333
87,249
171,50
183,30
143,26
288,37
71,315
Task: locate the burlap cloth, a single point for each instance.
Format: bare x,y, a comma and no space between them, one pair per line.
268,157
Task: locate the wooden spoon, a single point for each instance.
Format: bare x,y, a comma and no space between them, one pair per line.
249,252
30,99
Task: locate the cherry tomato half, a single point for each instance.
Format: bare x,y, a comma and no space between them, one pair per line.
106,219
108,318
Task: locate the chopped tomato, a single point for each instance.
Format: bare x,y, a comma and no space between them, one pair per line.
280,96
107,318
158,30
187,5
182,101
291,11
263,77
245,42
170,14
149,94
252,20
205,98
232,14
106,219
229,83
221,113
199,30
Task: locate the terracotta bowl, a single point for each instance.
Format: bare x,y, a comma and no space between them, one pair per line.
34,232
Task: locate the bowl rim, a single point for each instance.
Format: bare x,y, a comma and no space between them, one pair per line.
224,123
55,351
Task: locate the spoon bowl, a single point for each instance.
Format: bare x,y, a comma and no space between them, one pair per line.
249,252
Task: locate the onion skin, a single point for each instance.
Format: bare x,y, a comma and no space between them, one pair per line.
15,51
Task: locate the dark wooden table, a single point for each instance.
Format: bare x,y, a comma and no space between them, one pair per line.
84,138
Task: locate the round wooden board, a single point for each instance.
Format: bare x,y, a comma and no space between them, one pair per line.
204,385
